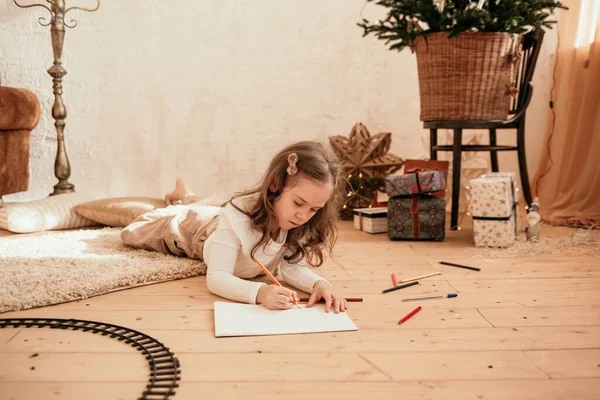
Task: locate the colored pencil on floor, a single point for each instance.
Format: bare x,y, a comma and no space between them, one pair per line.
459,266
421,277
400,287
348,299
394,279
409,315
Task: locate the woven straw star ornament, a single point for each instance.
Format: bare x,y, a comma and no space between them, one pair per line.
365,155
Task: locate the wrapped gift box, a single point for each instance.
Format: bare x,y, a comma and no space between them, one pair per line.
372,220
417,218
495,209
415,181
435,165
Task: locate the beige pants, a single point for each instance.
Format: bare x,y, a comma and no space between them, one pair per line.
179,230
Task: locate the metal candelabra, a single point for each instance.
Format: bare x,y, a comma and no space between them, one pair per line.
58,10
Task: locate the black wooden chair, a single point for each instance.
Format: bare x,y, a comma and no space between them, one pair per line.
532,43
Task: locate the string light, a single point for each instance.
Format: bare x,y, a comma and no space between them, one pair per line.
355,197
467,213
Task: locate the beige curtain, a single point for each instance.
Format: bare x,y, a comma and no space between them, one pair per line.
568,187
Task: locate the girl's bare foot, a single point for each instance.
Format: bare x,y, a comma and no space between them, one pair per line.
181,195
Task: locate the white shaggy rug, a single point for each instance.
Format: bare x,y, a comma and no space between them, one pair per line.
55,267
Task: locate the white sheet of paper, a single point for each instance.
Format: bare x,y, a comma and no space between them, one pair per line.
234,319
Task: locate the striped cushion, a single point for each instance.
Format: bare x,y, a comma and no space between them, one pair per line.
53,212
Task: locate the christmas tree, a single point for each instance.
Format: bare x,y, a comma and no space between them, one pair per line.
408,19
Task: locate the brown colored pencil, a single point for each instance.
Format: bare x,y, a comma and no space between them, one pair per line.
348,299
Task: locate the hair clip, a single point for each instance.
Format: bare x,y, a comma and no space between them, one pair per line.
292,160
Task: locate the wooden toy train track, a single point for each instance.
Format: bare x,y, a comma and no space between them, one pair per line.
164,367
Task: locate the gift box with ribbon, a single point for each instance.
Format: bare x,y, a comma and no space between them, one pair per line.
415,181
430,165
495,209
417,218
372,220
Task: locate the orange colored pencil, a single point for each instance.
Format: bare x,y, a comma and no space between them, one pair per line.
271,277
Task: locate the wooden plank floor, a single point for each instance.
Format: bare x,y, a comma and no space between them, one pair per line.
522,328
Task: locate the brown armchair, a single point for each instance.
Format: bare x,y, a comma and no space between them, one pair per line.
19,115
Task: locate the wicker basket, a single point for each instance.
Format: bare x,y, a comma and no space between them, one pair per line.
466,78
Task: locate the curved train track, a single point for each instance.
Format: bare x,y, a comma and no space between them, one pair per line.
164,367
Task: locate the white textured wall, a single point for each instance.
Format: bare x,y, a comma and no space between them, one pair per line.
209,90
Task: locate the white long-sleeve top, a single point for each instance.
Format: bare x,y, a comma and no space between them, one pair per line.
227,257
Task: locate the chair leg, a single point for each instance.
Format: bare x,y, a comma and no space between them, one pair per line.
523,162
493,153
432,144
456,158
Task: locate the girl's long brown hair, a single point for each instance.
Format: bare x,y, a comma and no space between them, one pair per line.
316,162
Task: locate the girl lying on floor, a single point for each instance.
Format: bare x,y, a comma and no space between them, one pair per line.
286,221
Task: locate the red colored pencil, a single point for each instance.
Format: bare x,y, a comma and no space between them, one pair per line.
394,279
409,315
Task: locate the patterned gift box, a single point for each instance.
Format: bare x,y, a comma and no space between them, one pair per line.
495,209
433,165
415,181
417,218
372,220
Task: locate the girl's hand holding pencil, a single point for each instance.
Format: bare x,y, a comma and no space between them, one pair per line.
276,297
